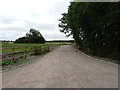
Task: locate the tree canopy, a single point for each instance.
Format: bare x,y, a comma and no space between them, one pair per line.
33,36
94,26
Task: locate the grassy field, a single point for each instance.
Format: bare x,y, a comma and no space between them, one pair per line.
9,50
21,47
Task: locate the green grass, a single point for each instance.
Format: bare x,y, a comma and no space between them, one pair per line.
29,46
74,45
10,45
52,46
9,65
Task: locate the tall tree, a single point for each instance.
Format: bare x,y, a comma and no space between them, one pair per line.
94,26
33,36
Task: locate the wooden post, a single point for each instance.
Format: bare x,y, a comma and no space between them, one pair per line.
40,48
13,53
34,50
25,51
88,50
31,50
48,48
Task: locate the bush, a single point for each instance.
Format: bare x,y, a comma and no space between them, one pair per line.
37,50
5,62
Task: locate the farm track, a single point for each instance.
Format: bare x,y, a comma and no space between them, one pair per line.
64,67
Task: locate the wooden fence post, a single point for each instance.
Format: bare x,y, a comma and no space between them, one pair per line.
48,48
88,50
25,51
13,53
40,49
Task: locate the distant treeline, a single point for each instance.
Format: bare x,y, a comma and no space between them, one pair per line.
71,41
6,41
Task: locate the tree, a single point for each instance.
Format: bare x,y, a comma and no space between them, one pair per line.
94,26
21,40
33,36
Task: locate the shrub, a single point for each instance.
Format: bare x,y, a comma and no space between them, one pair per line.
37,50
5,62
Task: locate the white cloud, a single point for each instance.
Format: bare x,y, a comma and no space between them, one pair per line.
18,16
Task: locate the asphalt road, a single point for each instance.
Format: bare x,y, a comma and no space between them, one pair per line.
64,67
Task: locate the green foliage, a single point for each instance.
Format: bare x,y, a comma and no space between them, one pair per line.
37,50
74,45
94,26
21,40
33,36
5,62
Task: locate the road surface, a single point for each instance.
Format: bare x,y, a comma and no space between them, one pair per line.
64,67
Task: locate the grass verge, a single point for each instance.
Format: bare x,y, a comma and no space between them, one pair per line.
10,64
98,57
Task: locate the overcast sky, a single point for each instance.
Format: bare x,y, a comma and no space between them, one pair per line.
18,16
